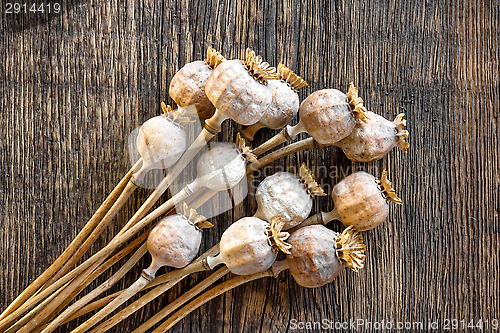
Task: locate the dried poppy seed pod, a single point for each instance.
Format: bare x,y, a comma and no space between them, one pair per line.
375,138
287,197
319,255
239,90
284,105
250,245
161,141
223,165
176,239
328,115
187,87
362,201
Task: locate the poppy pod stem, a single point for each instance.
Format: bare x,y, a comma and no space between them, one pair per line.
74,310
207,176
182,299
197,265
282,152
402,134
250,131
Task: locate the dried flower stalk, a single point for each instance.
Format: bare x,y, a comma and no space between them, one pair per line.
386,187
351,249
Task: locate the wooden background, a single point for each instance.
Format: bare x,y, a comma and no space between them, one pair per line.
74,85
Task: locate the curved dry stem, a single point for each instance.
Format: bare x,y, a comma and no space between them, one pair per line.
74,245
207,296
60,284
77,285
180,300
15,327
285,151
91,277
125,296
100,256
156,282
106,285
92,307
249,132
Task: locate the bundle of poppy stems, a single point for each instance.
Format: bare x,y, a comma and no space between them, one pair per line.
254,94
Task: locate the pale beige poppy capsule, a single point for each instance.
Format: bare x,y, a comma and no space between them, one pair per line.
362,201
329,115
187,87
223,166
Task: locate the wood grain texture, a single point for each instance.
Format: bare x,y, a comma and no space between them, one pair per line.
74,85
